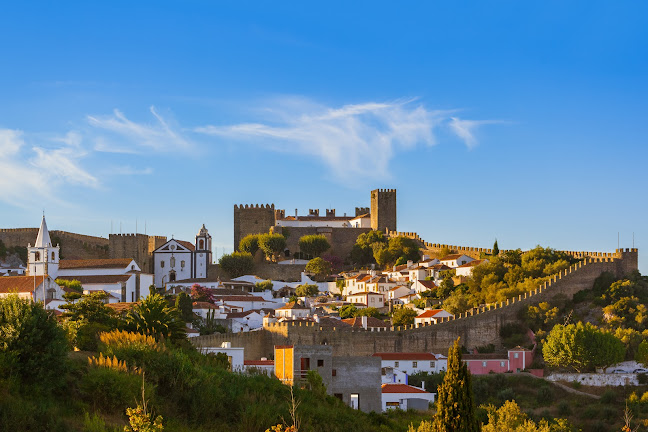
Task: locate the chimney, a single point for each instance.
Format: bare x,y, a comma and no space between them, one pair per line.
410,263
423,385
295,213
226,345
426,257
364,322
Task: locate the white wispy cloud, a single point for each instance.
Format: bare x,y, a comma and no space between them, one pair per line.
465,129
30,174
352,140
126,136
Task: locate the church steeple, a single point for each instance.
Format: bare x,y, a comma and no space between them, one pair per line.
43,257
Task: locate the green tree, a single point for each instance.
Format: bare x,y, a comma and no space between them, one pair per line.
70,284
403,316
457,302
581,346
237,263
314,245
642,353
510,418
369,312
87,317
184,305
319,267
33,346
495,249
455,404
272,245
347,311
249,244
153,316
263,286
306,290
362,252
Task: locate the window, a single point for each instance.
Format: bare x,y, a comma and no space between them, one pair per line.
502,364
431,365
182,263
484,364
172,262
161,264
133,267
516,355
396,364
355,401
320,363
53,256
172,276
36,256
338,395
333,372
414,364
201,244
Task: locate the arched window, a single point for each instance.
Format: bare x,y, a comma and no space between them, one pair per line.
172,276
53,256
36,256
201,244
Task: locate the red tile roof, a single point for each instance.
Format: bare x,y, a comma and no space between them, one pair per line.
472,263
430,313
406,356
121,306
20,284
293,305
450,257
187,244
101,279
401,388
94,263
203,305
427,284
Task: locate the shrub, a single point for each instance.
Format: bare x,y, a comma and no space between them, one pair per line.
506,394
112,363
545,395
87,336
110,390
237,263
608,397
564,409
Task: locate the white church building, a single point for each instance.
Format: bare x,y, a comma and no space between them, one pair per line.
178,260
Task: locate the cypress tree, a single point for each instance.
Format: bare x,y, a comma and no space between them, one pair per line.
495,249
455,404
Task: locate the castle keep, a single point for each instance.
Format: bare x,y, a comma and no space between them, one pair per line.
340,231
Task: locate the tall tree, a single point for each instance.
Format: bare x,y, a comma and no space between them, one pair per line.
249,244
272,245
495,248
237,263
184,304
319,267
455,404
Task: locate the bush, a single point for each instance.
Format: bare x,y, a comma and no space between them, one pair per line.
237,263
87,336
545,395
506,394
110,390
564,409
608,397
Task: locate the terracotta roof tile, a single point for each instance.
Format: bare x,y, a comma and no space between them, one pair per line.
258,362
401,388
406,356
20,284
101,279
430,313
292,305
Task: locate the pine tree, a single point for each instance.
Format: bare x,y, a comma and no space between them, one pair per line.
455,404
495,249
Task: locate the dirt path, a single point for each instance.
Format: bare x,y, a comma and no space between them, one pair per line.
565,387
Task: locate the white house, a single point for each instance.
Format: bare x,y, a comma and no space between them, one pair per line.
398,292
36,288
392,375
263,366
369,299
467,269
431,316
179,260
412,363
423,285
292,310
246,302
455,260
405,397
245,321
235,355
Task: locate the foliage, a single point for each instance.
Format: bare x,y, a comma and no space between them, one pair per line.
184,305
153,316
111,363
237,263
456,303
582,346
403,316
510,418
202,294
88,317
250,244
642,353
117,342
319,267
335,261
347,311
362,252
540,317
108,389
209,324
139,420
314,244
70,284
495,248
455,404
272,245
397,248
369,312
316,383
266,285
32,345
306,290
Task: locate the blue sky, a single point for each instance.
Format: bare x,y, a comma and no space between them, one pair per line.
519,121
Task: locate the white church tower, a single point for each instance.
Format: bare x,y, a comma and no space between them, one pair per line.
203,254
43,257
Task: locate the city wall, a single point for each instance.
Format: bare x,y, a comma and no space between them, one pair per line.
73,246
476,327
340,239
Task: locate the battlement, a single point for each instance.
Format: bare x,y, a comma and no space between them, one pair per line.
313,212
330,212
253,206
362,210
385,190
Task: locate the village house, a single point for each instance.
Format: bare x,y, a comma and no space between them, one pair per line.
397,292
292,310
35,288
455,260
412,363
391,375
367,299
405,397
235,355
366,322
431,316
467,268
516,360
262,366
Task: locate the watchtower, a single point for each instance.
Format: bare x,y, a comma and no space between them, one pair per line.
383,209
252,219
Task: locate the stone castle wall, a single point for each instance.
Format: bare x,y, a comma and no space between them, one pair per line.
340,239
73,246
139,247
383,209
252,219
477,327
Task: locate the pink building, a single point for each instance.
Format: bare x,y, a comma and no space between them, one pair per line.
517,360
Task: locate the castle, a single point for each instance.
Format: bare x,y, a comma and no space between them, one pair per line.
340,231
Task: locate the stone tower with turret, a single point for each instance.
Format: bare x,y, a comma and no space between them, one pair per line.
43,257
383,209
252,219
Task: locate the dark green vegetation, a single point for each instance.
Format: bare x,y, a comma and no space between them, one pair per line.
5,251
313,245
237,263
45,386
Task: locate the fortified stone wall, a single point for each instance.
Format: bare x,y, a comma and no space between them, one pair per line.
139,247
477,327
73,246
383,209
252,219
340,239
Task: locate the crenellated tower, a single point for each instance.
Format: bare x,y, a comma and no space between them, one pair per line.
383,209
